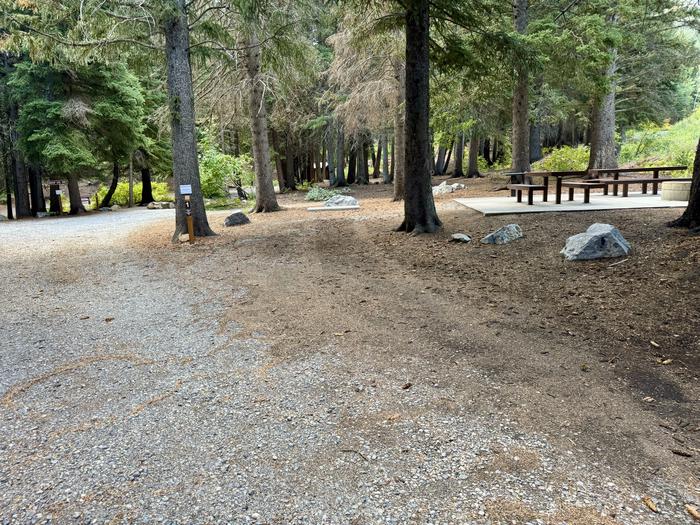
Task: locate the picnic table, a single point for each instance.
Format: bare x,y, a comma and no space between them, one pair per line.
654,180
521,181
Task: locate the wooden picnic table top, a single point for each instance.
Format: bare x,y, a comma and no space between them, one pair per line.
549,173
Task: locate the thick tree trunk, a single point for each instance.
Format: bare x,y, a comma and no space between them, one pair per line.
363,161
265,199
459,154
400,132
440,160
487,151
340,157
76,203
22,207
691,216
106,202
146,186
37,192
330,148
603,150
8,181
419,208
182,122
473,161
521,126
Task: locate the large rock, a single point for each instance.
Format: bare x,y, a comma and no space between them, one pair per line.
504,235
599,241
236,219
444,188
154,206
116,207
341,200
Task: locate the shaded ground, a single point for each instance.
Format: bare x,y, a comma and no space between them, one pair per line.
318,368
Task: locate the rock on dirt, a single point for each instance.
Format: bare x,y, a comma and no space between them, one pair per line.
504,235
341,200
460,237
236,219
599,241
2,218
445,188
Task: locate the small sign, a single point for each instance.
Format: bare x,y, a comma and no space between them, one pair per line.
185,189
59,192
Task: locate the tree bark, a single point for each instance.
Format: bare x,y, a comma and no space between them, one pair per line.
146,186
385,159
377,159
76,203
521,126
393,159
419,207
691,216
440,160
112,187
400,132
363,161
352,162
535,143
603,150
459,154
340,157
278,160
473,161
8,179
330,148
38,202
22,205
265,199
446,164
487,151
182,121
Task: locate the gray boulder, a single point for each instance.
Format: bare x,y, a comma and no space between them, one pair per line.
443,188
341,200
599,241
236,219
104,208
460,237
116,207
154,206
504,235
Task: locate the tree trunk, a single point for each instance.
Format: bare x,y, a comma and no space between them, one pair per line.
265,199
330,148
291,166
603,151
385,159
352,162
440,161
363,160
446,164
37,192
521,126
8,179
106,202
473,161
393,159
182,121
535,143
377,159
22,207
419,208
340,157
459,154
691,216
278,160
76,203
400,132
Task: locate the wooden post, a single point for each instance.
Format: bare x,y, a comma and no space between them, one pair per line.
131,181
190,223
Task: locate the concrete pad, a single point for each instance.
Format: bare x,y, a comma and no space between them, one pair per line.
507,205
333,208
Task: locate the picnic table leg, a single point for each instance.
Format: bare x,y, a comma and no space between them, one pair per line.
520,195
558,199
546,188
644,188
655,185
625,189
586,195
616,176
605,190
530,193
571,194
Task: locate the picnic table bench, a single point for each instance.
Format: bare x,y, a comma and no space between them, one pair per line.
654,180
586,186
517,177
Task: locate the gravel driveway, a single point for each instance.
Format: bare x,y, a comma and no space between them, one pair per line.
126,397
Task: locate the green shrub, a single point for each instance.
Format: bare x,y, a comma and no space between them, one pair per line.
317,193
161,193
223,203
565,158
218,170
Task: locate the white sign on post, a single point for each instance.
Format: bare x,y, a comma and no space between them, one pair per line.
59,192
185,189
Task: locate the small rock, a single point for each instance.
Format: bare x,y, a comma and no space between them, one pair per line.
341,200
154,206
460,237
105,209
236,219
504,235
116,207
599,241
2,218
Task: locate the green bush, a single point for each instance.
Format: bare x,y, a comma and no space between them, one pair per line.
218,170
223,203
565,158
161,193
317,193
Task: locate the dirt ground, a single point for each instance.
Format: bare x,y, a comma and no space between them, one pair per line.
599,359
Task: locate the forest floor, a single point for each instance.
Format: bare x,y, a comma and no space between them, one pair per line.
321,368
